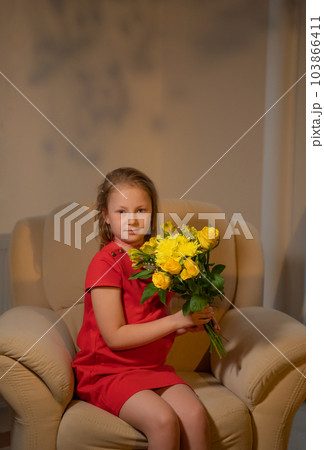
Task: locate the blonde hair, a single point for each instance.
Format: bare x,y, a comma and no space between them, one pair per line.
127,176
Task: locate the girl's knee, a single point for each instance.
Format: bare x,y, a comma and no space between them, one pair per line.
163,426
196,416
167,420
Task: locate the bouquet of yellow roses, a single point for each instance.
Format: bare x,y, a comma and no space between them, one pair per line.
179,261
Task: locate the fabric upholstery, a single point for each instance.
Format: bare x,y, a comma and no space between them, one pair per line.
259,350
281,400
37,413
46,348
250,268
65,266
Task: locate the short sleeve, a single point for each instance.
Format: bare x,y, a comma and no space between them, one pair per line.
103,272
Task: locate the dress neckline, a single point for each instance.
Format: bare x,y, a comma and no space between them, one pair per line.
112,245
125,246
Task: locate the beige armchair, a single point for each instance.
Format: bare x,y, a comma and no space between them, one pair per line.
251,395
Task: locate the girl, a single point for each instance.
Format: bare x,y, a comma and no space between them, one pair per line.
123,345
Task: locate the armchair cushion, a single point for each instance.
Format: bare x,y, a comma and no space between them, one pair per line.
41,342
263,343
250,270
37,414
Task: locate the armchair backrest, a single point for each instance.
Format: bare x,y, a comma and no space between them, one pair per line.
47,269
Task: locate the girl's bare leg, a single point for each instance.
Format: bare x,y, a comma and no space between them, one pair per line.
152,415
194,426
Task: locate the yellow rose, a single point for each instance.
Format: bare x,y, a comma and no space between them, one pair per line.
208,237
172,266
161,280
192,267
184,274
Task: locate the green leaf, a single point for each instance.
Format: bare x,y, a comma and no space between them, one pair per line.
192,285
162,294
177,290
147,275
186,308
148,292
179,287
218,268
205,282
143,274
218,281
197,303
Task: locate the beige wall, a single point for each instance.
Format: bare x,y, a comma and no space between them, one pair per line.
165,86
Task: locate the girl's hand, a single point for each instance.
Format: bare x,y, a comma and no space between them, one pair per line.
208,311
195,319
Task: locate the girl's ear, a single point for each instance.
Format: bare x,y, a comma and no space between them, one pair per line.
105,216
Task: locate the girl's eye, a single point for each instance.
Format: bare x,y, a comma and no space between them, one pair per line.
141,210
121,211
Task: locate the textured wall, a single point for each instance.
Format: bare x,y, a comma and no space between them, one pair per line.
165,86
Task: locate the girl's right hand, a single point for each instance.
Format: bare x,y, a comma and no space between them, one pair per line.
196,318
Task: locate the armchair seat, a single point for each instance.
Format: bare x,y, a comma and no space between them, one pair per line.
230,421
250,396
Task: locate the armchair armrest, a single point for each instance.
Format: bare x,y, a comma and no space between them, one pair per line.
37,415
37,339
263,345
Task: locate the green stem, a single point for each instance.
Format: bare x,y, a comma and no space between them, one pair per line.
208,271
215,341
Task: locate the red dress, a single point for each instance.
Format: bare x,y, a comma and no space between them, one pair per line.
105,377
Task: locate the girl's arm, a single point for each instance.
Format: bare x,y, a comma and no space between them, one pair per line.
109,314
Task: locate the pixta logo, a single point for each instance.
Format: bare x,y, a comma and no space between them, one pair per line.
142,223
76,211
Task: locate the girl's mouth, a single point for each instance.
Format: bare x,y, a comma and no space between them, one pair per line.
131,231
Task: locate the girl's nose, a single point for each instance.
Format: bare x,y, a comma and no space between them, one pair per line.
132,219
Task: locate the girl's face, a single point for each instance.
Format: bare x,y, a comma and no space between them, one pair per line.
120,214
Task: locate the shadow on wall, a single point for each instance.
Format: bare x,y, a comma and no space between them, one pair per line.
26,279
292,280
